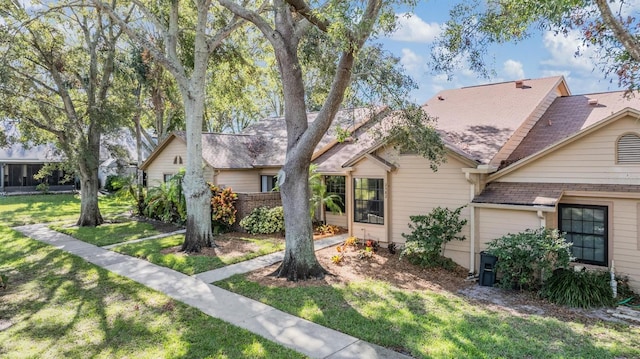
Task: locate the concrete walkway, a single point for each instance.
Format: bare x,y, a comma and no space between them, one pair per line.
301,335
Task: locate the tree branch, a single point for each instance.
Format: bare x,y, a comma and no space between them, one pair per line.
626,39
302,8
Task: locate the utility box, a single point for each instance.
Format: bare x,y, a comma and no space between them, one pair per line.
487,269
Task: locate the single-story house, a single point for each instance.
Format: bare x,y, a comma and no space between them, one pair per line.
18,164
521,155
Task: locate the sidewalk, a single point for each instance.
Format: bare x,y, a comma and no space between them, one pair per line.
301,335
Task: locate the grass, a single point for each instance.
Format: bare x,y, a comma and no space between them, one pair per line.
192,264
21,210
56,305
432,325
109,233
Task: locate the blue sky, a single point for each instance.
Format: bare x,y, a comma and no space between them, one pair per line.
542,55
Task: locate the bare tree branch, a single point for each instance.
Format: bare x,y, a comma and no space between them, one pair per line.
628,41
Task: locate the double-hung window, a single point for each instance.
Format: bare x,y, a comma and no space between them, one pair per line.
586,227
368,200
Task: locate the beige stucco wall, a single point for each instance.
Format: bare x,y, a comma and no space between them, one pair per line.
163,163
591,159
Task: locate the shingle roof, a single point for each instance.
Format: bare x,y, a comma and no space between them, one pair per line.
264,143
541,194
567,116
480,119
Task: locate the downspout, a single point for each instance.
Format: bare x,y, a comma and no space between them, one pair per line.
472,225
543,219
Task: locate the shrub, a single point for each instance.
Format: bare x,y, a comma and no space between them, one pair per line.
166,202
43,187
525,259
115,183
223,208
425,245
583,289
264,220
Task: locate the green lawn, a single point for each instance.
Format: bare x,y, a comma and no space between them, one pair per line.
109,233
192,264
432,325
57,305
19,210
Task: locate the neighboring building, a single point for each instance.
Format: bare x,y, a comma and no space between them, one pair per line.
523,154
18,164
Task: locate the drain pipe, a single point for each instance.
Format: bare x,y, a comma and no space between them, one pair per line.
472,226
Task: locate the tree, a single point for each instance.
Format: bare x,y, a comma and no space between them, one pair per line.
475,25
347,25
191,36
60,73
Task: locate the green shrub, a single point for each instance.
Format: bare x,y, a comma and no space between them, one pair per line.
115,183
525,259
166,202
583,289
425,245
264,220
223,208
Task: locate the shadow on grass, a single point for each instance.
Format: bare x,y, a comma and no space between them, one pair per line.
61,306
426,324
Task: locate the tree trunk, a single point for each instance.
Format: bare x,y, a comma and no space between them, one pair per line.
89,211
300,262
89,183
196,191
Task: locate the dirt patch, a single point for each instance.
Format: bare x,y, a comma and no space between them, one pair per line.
229,245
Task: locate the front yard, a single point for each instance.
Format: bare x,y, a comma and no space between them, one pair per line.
57,305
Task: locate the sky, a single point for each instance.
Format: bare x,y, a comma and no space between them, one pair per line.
542,55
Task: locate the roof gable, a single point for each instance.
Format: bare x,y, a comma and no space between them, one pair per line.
568,116
581,133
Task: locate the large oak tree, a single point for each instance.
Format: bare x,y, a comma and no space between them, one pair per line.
347,26
191,33
60,69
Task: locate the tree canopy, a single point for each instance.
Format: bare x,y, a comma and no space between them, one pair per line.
610,27
61,80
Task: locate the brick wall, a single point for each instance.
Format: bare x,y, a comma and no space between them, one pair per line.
247,202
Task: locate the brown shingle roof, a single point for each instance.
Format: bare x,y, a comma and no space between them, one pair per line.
542,194
480,120
567,116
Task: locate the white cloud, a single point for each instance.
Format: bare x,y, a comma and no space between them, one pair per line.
412,62
411,28
563,52
513,69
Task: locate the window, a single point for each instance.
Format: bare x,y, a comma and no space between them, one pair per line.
268,183
586,228
368,200
167,177
628,149
336,186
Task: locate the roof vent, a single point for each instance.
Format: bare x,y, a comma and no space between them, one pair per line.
593,101
519,84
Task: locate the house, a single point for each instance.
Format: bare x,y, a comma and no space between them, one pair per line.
19,162
520,155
